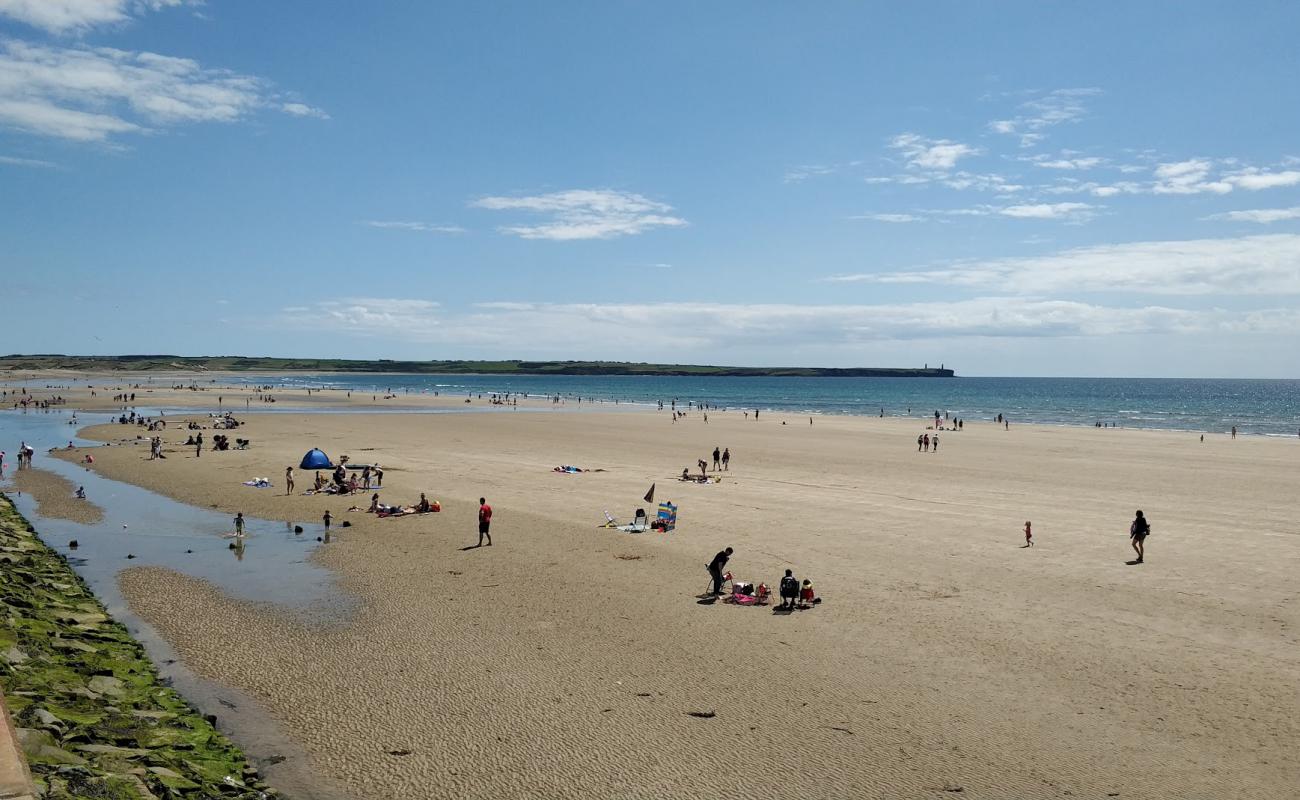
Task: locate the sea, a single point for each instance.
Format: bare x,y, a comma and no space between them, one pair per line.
1262,407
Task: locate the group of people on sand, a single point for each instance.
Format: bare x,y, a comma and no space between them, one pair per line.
794,595
721,462
928,443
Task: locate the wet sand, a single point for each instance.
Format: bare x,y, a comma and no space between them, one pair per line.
55,495
566,660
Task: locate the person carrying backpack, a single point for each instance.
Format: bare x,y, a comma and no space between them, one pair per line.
1138,533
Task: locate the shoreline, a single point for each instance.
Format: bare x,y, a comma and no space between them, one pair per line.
158,396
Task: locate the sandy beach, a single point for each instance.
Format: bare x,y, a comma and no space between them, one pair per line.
55,495
567,660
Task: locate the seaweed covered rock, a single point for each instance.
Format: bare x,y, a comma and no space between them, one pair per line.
93,717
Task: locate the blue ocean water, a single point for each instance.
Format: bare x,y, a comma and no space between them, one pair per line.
1270,407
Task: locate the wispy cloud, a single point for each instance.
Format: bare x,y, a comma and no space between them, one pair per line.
14,161
633,327
938,155
1262,216
1090,162
1077,212
303,110
1251,265
1044,111
92,94
71,16
585,214
1069,212
367,316
890,217
421,227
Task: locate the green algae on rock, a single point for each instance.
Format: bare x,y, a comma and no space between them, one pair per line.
92,714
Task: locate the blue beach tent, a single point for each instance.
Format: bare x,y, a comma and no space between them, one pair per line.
315,459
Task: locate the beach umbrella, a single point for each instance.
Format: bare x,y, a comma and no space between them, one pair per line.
650,495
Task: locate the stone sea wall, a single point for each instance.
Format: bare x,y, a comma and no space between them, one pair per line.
91,713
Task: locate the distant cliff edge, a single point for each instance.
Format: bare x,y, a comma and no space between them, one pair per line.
160,363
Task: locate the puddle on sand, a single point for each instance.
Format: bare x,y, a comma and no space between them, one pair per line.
272,566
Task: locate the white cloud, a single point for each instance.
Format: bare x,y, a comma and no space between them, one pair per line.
889,217
1044,111
1251,265
931,154
585,214
1263,216
1255,179
367,316
1187,177
70,16
303,110
90,94
633,327
421,227
1071,211
26,162
1069,163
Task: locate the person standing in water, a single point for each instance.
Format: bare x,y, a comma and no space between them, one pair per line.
1138,532
239,524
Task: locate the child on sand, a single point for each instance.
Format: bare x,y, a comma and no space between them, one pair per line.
1029,534
807,597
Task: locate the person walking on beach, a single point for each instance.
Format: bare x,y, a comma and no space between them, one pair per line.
715,568
1138,533
1234,431
484,521
198,446
717,458
726,458
934,444
919,439
1029,534
288,481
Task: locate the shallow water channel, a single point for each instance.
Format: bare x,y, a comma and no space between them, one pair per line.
271,567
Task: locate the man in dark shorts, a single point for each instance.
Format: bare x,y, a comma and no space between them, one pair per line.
717,459
484,521
1138,532
715,568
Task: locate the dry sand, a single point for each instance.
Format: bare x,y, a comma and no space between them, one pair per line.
564,661
55,496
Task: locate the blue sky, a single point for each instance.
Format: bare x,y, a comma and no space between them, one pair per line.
1013,189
